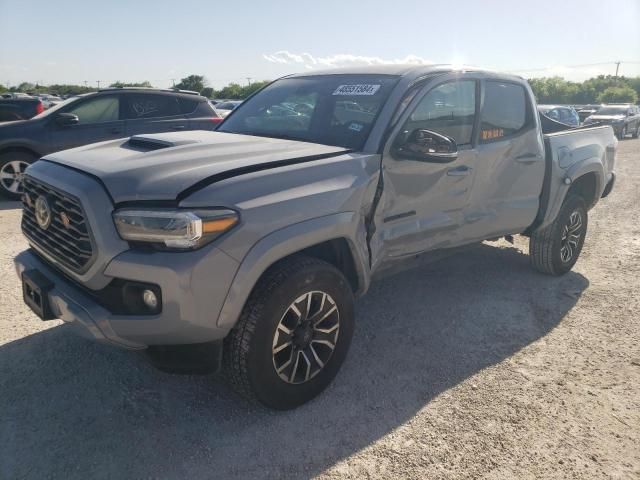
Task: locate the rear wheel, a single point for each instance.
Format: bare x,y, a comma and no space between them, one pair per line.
12,167
555,249
636,133
293,334
623,133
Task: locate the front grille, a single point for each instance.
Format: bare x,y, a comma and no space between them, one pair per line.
69,244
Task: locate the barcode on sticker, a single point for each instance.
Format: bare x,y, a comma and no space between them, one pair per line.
360,89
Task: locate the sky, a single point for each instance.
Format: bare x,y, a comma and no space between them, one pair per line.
77,41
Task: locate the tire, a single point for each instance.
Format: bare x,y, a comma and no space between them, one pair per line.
548,246
257,362
623,133
636,134
12,167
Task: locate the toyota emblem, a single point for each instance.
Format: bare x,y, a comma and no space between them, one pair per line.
43,212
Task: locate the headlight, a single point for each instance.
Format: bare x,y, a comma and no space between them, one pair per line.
175,229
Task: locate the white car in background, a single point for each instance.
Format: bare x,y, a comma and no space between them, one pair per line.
49,101
224,108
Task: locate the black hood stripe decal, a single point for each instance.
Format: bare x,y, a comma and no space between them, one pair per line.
236,172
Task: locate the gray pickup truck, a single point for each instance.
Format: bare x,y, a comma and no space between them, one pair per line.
245,248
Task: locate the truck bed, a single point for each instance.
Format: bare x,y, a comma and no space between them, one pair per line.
569,154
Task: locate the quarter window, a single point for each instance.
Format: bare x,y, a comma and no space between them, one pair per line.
504,111
98,110
150,106
448,109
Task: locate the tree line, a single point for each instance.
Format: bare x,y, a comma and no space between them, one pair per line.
601,89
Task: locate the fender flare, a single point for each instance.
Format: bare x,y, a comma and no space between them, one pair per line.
287,241
574,172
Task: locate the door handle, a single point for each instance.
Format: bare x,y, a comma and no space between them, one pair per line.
459,171
178,127
527,158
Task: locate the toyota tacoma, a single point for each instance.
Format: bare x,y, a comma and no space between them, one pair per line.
244,248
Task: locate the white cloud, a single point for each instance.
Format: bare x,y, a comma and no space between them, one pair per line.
308,61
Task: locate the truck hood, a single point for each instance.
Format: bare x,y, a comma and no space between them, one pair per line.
169,166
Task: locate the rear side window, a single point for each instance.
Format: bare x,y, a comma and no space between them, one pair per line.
504,112
187,105
151,106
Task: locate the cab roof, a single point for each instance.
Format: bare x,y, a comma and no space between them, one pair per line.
402,70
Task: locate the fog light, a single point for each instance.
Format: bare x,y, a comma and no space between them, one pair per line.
150,299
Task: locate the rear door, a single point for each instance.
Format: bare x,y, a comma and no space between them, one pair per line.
99,119
423,202
153,113
510,166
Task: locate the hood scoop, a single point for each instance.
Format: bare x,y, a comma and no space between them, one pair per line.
149,143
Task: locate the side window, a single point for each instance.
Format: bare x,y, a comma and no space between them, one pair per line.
98,110
504,111
151,106
187,106
448,109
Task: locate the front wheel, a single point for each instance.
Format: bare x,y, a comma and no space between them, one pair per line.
293,334
12,167
555,249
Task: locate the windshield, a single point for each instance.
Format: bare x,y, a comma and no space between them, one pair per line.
334,110
613,111
55,108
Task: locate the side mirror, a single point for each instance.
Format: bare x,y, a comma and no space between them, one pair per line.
67,119
427,146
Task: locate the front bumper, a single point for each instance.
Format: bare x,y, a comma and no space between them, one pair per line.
194,286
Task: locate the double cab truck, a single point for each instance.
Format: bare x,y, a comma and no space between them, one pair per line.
244,248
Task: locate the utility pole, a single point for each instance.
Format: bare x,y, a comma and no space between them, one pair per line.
85,83
98,82
249,80
617,67
174,82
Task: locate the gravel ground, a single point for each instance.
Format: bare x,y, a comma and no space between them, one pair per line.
473,367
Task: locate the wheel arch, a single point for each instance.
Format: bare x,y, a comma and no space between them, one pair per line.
338,239
19,148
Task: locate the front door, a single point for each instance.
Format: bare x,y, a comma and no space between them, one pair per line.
423,202
98,120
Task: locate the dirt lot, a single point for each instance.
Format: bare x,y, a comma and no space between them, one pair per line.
475,367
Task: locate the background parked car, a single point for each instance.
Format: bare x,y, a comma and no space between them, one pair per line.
561,113
104,115
48,100
225,108
15,95
587,110
19,108
623,117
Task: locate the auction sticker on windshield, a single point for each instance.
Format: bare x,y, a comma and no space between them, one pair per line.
360,89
